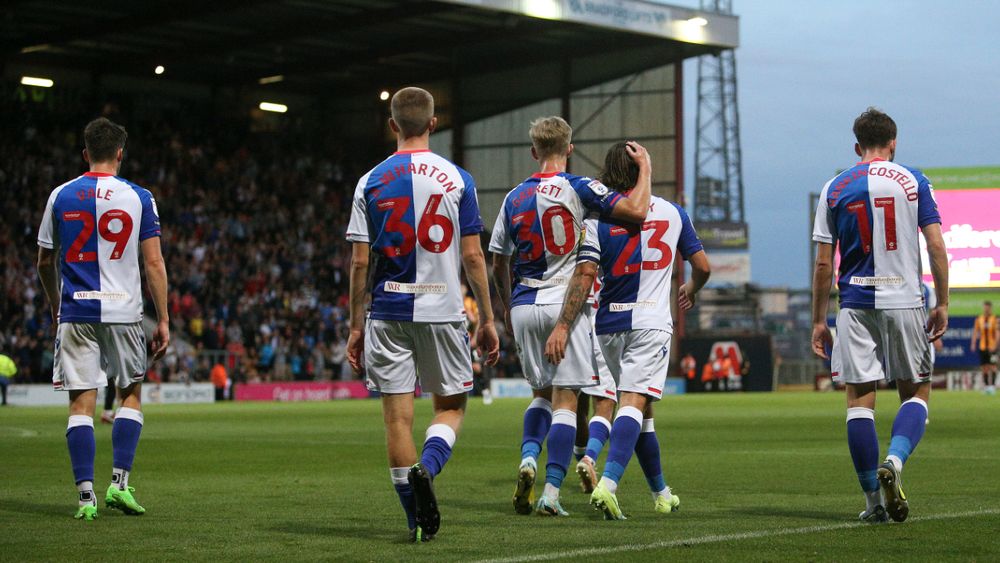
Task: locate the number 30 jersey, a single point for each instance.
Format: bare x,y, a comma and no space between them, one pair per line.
542,220
872,211
413,209
636,266
95,224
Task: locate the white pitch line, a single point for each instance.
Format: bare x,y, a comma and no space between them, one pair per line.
724,538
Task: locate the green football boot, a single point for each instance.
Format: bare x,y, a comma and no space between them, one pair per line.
123,500
665,505
524,492
86,512
892,491
606,501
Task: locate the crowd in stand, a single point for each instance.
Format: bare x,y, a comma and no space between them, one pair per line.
253,235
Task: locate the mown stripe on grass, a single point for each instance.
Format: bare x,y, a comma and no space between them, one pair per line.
719,538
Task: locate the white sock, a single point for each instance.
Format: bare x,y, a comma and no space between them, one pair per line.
588,458
665,493
550,492
896,462
873,499
86,490
119,478
530,460
610,484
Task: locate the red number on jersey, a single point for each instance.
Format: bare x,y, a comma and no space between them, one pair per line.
397,207
429,219
528,236
860,211
622,266
569,232
121,238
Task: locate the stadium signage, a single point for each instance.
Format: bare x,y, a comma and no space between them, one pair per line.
722,235
297,391
163,393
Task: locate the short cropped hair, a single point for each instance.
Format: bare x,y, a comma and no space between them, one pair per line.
620,172
412,110
550,136
102,138
874,129
988,303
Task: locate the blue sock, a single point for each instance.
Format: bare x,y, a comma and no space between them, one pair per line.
125,437
863,443
82,446
560,439
624,434
647,450
907,429
537,420
405,492
599,429
437,448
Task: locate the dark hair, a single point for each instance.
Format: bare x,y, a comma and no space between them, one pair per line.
103,138
988,303
620,173
874,129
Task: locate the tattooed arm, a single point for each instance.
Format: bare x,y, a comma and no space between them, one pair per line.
576,299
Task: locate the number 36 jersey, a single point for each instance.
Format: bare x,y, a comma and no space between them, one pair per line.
413,209
95,223
872,211
542,220
636,266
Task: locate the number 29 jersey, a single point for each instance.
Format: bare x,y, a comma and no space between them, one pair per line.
872,211
542,220
95,224
413,208
636,266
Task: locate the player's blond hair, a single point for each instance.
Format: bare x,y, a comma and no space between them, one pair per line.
550,136
412,110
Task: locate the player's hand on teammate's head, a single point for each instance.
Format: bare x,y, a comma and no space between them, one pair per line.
555,346
685,297
822,340
161,339
937,323
356,351
488,343
638,153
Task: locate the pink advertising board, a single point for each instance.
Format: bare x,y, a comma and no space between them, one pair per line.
971,229
301,391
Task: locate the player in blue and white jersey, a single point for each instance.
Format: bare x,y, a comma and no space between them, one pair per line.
874,212
634,324
541,221
417,214
92,233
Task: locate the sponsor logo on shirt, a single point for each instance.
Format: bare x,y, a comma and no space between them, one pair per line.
876,280
396,287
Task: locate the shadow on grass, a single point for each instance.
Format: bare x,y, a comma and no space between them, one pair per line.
784,512
26,507
362,530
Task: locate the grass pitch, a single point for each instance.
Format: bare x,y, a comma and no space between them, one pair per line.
760,477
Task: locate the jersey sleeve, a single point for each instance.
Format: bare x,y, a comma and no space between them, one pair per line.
500,241
46,234
927,209
688,243
590,247
468,207
149,223
823,227
595,196
357,228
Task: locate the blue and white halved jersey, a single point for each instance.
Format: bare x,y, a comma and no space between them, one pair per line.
413,209
95,224
873,212
542,220
636,266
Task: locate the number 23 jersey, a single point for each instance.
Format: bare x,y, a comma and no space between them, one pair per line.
95,224
413,209
636,266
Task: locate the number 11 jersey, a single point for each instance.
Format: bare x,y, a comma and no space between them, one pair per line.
413,208
95,223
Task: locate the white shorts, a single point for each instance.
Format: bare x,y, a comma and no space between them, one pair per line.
532,326
877,345
638,360
88,355
399,352
606,388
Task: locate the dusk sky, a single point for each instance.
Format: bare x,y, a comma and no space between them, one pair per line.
806,69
